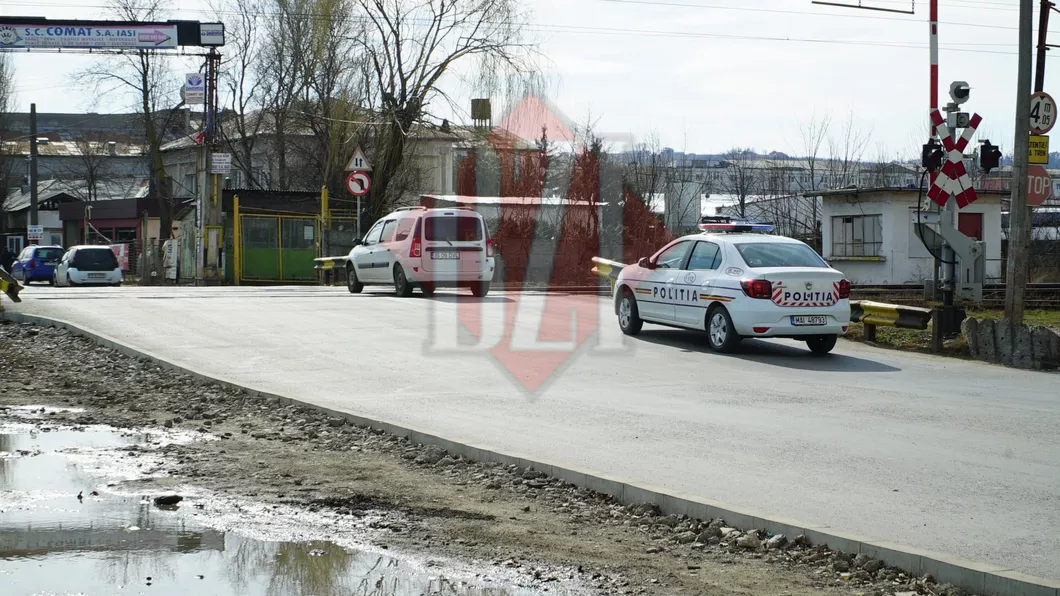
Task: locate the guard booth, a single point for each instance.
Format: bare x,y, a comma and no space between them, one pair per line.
275,235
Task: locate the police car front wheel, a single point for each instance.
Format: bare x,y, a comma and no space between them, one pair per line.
720,332
628,317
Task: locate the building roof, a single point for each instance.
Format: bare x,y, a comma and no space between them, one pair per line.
507,201
59,148
106,190
855,190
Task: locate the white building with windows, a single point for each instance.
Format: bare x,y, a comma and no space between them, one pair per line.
869,233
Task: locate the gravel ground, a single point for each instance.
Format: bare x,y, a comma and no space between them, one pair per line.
432,503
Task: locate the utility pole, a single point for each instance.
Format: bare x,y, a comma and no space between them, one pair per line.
33,164
1043,44
1019,214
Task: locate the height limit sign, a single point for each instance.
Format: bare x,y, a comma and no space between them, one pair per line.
1043,113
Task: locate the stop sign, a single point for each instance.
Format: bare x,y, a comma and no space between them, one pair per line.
1039,186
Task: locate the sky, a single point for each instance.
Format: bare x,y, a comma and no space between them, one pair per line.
703,76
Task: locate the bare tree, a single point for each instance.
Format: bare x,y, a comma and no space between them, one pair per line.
814,136
83,175
846,150
238,75
740,178
142,74
410,45
7,161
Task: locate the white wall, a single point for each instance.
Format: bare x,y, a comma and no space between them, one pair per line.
906,260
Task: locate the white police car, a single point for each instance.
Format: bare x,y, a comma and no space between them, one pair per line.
735,280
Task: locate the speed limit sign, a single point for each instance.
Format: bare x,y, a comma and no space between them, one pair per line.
1043,113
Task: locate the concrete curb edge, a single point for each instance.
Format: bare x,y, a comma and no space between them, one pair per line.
978,578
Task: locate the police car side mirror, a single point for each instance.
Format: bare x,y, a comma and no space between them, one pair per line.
357,242
646,263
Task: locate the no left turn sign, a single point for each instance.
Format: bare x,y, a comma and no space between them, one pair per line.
1043,113
358,183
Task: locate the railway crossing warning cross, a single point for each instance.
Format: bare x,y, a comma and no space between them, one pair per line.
954,178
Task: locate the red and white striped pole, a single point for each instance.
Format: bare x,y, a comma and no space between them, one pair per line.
933,22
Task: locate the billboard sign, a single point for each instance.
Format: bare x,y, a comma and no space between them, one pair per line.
129,36
211,34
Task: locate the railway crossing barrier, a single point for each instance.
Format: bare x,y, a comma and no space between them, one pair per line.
874,314
609,269
330,266
9,286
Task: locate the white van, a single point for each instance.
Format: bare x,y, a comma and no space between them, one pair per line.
416,247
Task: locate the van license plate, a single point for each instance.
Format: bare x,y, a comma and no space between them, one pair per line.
445,255
808,320
97,275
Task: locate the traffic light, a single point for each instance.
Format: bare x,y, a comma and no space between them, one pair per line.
989,156
931,156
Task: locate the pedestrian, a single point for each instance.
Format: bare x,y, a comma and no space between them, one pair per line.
7,259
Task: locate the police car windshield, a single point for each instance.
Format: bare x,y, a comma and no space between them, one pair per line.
779,254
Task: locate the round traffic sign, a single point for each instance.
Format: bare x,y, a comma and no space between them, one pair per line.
358,183
1043,113
1039,186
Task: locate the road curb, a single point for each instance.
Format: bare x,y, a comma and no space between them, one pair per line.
977,578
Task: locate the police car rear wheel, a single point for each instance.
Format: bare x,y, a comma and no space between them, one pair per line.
628,316
720,333
822,344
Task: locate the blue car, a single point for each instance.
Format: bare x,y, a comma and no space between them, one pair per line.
36,263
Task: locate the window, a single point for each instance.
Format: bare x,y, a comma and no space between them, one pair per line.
779,254
95,259
705,256
49,254
857,236
373,234
673,257
404,228
388,230
462,228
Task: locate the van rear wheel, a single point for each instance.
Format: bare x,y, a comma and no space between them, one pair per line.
480,289
402,287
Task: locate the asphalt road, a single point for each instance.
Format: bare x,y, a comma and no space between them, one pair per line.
941,454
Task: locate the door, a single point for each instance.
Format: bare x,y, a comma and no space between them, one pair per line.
695,284
454,243
18,268
971,225
385,253
657,294
63,266
363,255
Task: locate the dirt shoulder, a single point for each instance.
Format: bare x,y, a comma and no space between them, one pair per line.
434,504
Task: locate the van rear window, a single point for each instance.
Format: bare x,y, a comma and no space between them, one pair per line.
461,228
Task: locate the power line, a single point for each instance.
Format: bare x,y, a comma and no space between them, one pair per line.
795,12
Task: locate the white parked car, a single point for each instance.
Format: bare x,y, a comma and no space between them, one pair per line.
736,280
88,265
416,247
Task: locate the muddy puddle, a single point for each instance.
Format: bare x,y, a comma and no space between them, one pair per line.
78,516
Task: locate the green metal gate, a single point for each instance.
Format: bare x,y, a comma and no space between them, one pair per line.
278,248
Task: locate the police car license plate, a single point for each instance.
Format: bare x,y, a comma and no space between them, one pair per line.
97,275
808,320
445,255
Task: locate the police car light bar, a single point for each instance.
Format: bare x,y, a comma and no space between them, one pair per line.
732,224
